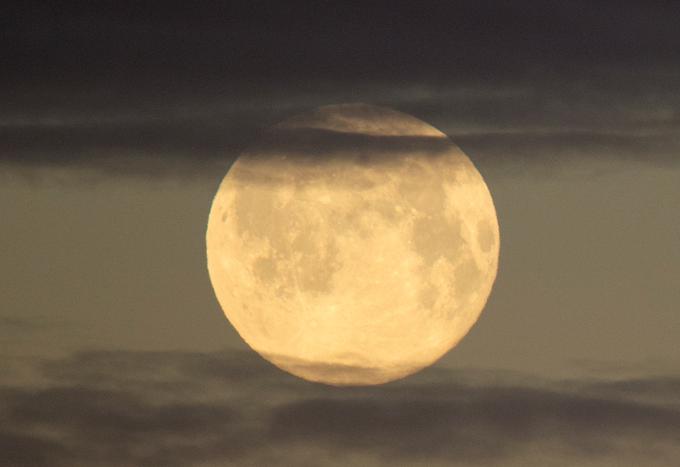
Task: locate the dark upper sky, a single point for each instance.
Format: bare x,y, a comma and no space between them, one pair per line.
189,82
119,119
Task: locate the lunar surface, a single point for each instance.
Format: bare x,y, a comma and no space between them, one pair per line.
353,245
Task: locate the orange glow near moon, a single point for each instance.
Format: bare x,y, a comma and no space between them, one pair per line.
354,245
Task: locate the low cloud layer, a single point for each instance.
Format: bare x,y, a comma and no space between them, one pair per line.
178,408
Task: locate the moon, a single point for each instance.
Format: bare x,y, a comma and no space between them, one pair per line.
352,245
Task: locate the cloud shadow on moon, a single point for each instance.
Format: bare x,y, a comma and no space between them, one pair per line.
324,144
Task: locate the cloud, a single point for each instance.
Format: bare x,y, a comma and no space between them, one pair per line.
206,146
183,408
22,450
22,324
476,425
16,323
127,91
113,427
520,152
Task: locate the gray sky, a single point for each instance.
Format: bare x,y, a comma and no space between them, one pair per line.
119,122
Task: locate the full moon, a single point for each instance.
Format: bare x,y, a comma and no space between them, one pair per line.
353,245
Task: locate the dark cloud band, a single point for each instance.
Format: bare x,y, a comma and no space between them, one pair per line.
157,91
183,408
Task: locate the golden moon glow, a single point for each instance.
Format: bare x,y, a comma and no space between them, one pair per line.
353,246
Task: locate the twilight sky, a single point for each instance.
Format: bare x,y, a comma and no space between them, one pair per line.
118,121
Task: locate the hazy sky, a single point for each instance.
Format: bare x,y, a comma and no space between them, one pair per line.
118,122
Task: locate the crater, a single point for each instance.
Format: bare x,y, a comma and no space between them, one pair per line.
257,216
468,278
485,236
317,263
434,237
428,296
424,196
265,270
